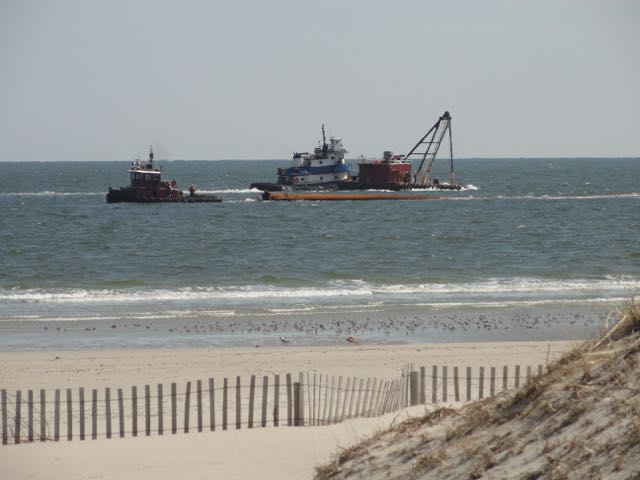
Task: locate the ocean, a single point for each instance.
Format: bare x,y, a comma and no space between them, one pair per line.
533,249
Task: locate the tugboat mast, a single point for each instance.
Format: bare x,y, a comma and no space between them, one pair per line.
150,155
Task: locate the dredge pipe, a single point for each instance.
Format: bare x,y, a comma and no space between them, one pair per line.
332,196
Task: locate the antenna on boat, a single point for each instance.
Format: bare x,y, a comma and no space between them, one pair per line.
150,153
324,138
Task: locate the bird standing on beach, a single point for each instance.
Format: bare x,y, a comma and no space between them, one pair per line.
351,339
285,340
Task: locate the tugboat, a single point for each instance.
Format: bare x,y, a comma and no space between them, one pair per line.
321,170
147,186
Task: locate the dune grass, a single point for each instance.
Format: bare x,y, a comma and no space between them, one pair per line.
582,415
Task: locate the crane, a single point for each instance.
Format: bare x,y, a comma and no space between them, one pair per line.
431,142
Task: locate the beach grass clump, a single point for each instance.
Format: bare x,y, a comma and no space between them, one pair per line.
628,325
429,461
429,418
328,470
634,421
631,318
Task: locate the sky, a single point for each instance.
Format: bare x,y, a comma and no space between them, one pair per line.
241,79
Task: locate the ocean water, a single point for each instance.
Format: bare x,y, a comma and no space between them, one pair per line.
535,248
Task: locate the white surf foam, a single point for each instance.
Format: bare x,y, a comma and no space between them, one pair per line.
231,190
48,193
494,289
563,197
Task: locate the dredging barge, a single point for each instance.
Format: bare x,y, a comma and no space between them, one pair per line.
392,172
147,186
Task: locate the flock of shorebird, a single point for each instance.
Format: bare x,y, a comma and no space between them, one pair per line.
351,330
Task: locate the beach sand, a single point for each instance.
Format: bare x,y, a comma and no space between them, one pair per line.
270,453
122,368
258,453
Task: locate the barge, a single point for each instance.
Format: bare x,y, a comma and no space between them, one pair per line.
147,186
343,196
326,169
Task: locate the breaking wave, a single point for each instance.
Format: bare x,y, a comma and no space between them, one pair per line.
232,190
48,193
632,195
339,291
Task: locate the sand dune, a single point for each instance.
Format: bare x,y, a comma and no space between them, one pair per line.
579,420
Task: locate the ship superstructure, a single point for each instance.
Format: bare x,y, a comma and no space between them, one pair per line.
320,170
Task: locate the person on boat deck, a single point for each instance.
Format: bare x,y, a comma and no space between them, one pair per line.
192,190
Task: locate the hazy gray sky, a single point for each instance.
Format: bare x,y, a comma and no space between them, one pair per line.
100,80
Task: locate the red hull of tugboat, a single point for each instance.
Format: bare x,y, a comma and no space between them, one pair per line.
128,194
152,192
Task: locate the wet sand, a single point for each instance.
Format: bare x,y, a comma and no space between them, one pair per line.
410,325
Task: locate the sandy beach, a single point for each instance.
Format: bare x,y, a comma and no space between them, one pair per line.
273,452
283,453
100,368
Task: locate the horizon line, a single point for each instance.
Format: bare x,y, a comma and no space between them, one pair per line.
577,157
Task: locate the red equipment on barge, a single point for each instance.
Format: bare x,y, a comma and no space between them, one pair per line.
391,173
394,172
147,186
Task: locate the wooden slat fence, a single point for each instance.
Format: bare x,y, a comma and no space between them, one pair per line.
313,400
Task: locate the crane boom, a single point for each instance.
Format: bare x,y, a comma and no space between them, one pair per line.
431,141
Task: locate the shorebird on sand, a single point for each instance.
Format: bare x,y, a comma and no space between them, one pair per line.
285,340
